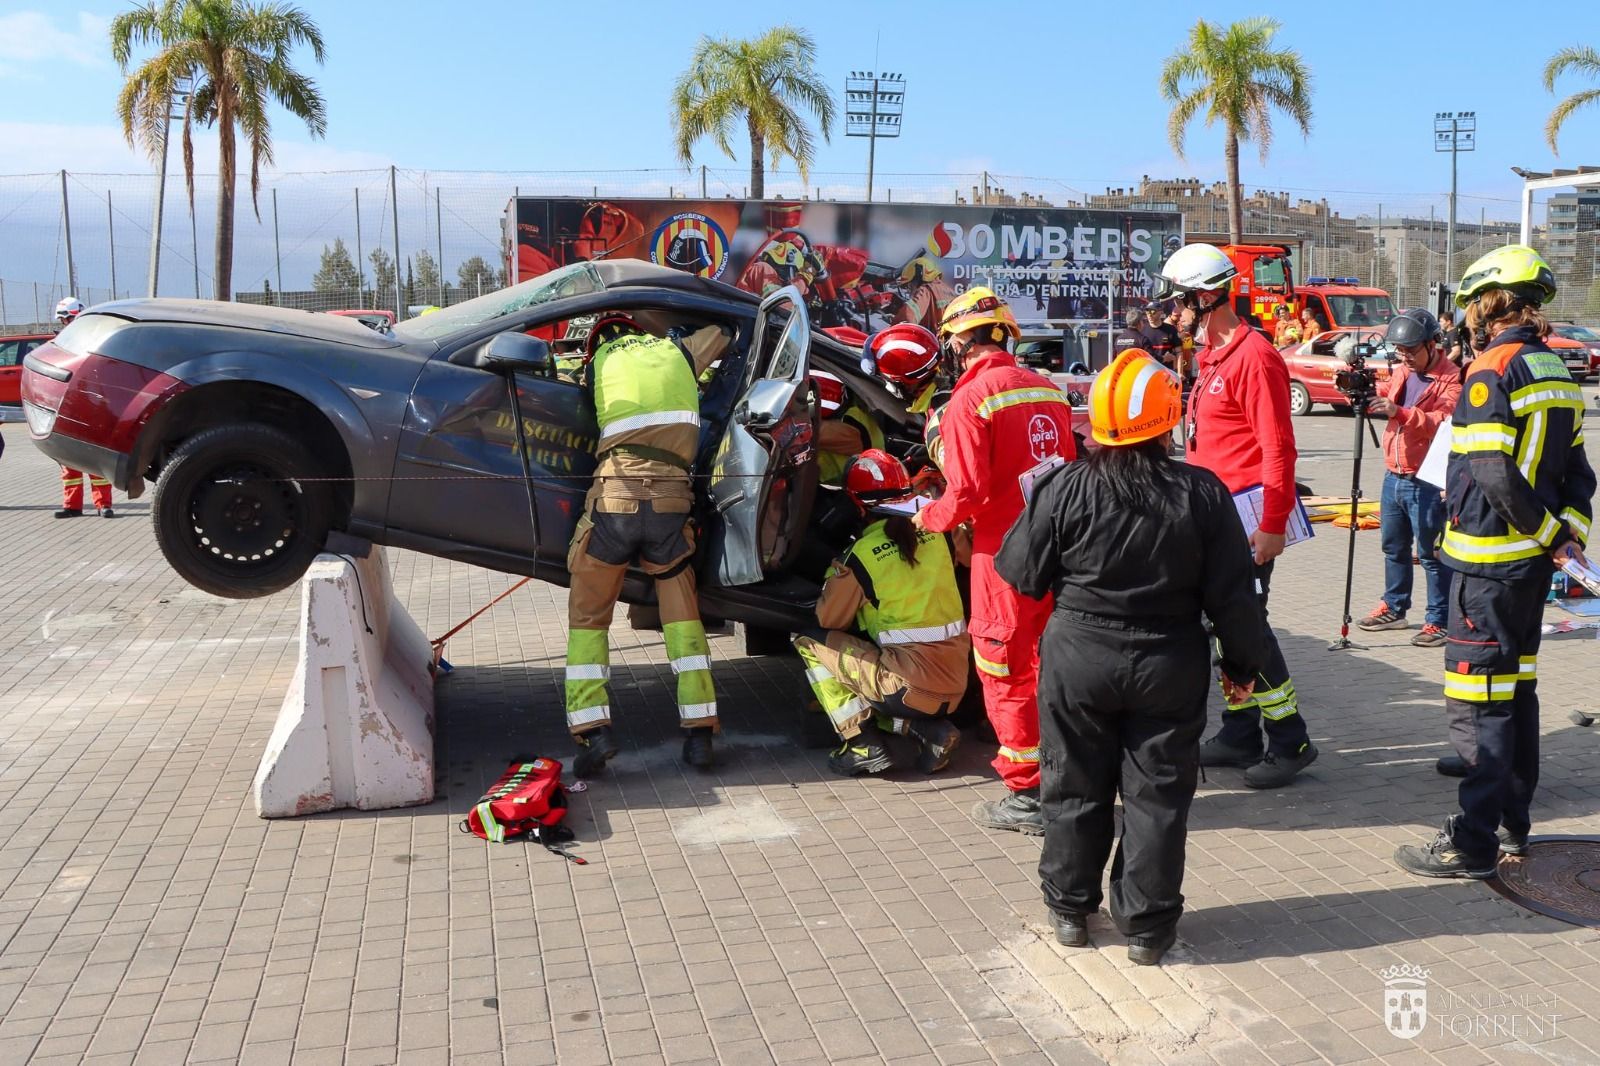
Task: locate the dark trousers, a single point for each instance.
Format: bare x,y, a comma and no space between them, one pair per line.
1274,703
1121,710
1491,694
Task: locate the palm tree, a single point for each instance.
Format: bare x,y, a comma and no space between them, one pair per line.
226,59
766,81
1236,77
1583,59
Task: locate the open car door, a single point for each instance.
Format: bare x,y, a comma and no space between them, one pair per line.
764,474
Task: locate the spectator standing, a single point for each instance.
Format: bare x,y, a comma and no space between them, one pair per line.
1311,324
1420,395
1159,338
1135,548
67,312
1287,330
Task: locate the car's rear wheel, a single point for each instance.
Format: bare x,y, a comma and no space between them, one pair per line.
233,515
1299,399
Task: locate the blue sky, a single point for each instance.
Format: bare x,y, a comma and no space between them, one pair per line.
1066,90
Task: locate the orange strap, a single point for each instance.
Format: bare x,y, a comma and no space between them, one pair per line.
439,643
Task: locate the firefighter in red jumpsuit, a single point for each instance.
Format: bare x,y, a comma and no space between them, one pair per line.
72,480
1003,423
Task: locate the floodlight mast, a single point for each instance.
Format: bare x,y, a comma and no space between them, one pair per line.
874,106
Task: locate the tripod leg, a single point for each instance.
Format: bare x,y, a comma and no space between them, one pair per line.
1359,409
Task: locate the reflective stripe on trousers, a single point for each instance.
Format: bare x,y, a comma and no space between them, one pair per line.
844,708
691,662
588,670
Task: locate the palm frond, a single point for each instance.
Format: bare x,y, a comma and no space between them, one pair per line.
1581,58
1564,110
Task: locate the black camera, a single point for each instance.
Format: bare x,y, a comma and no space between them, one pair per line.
1357,380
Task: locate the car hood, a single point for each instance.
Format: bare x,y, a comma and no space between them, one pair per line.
311,325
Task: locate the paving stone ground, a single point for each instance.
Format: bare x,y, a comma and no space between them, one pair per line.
767,912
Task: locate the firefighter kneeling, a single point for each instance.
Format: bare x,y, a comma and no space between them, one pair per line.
898,585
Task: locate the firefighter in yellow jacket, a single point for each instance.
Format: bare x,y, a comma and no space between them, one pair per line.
896,584
637,512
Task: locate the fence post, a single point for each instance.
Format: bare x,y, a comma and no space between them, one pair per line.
438,230
277,248
702,181
394,207
36,318
480,283
3,318
111,240
361,271
66,222
194,247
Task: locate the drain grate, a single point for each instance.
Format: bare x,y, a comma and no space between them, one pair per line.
1558,877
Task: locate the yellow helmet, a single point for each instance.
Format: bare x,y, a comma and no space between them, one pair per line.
978,306
1516,267
930,270
430,309
1134,399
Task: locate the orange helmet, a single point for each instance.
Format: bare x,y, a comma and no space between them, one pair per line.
905,356
978,306
1134,399
875,477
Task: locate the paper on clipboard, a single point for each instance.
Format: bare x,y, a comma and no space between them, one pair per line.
1584,573
1030,477
1250,503
905,507
1437,460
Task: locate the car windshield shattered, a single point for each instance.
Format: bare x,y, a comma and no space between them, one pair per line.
574,280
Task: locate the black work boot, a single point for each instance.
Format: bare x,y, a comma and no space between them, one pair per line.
937,738
864,753
1218,752
1072,930
1441,858
698,751
1148,950
1275,771
105,512
1512,843
1019,812
70,512
599,747
1451,766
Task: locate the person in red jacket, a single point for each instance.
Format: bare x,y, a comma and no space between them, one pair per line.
1002,423
1238,427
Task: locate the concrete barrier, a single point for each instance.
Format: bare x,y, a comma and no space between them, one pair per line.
356,726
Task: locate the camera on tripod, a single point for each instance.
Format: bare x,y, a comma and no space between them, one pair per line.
1357,380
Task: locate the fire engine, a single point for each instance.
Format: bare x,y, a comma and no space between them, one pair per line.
1266,280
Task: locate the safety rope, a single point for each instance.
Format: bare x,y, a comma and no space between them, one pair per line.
438,643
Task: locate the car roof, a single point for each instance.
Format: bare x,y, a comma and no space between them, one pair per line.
619,273
1345,290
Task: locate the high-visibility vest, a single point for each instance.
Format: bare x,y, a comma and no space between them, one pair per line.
906,603
645,397
830,466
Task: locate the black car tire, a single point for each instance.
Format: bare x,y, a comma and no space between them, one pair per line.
231,516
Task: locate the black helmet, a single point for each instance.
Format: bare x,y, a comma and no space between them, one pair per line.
1411,328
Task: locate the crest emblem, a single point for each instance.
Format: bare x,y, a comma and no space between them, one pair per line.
1405,1000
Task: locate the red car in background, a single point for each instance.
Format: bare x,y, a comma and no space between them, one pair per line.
1566,335
1312,365
12,349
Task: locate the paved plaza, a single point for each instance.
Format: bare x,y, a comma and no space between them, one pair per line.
767,912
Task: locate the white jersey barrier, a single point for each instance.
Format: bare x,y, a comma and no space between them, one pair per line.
356,727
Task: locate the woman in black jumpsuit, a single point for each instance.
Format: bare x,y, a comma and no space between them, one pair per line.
1135,547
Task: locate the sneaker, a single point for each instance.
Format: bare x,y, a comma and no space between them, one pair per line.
1275,771
1451,766
938,739
1441,858
1512,843
1072,930
1429,636
1148,950
1218,752
599,747
70,512
1384,617
1019,812
105,512
698,750
864,753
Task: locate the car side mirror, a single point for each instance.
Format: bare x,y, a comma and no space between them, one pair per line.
513,352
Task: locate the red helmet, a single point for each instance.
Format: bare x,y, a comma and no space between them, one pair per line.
905,356
830,392
609,326
875,477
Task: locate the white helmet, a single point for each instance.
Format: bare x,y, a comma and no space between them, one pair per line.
1195,268
69,308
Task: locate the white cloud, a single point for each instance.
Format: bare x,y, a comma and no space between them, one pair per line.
31,41
37,147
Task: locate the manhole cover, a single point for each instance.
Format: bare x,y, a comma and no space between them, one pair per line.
1559,877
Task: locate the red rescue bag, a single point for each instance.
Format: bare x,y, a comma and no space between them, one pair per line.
528,801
